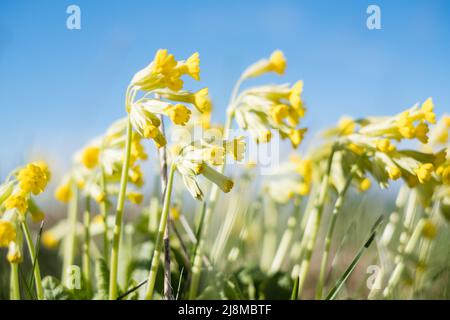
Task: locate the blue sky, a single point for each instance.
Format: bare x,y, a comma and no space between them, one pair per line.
59,87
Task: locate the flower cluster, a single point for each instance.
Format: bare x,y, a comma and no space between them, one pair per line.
16,201
163,95
200,157
270,107
97,167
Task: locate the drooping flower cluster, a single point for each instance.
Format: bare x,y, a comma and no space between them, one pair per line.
162,86
200,157
372,144
97,167
16,201
289,179
270,107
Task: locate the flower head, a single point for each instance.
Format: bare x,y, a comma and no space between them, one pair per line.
33,178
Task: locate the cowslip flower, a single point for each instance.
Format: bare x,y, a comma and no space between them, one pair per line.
274,107
276,63
33,178
161,80
198,158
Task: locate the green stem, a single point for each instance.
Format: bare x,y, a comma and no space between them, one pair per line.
104,213
37,272
329,236
213,196
70,242
312,228
14,282
114,262
86,245
159,237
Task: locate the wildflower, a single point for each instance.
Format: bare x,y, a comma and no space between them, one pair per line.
135,197
365,184
179,114
33,178
175,213
427,111
295,96
49,240
14,253
429,229
394,172
7,233
279,112
64,193
384,145
296,136
276,63
17,201
421,132
346,126
90,157
424,172
193,160
200,99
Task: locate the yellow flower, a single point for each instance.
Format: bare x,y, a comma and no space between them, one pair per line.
277,62
137,149
215,155
163,62
444,173
63,193
424,172
421,132
394,172
90,157
385,146
346,126
296,136
175,213
49,240
429,230
33,179
14,255
151,131
7,233
136,176
405,125
17,201
279,112
355,148
135,197
202,101
179,114
193,66
295,95
303,189
365,184
427,111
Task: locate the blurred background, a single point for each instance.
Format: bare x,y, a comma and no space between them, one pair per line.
60,87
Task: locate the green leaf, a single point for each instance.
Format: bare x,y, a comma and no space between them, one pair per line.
54,290
102,278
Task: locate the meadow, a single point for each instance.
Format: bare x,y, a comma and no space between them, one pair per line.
361,213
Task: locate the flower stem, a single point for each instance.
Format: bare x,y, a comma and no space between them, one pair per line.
70,242
36,271
14,282
104,213
159,237
329,236
86,245
312,228
114,262
213,196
